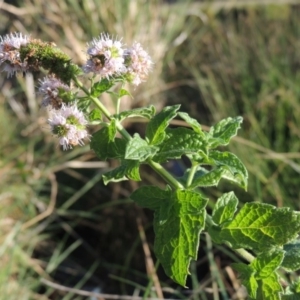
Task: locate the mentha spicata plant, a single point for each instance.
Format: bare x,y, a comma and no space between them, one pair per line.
180,209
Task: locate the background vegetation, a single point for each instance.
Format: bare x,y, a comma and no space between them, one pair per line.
63,234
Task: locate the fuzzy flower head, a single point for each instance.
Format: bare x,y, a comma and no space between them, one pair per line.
52,90
105,57
10,53
69,124
138,63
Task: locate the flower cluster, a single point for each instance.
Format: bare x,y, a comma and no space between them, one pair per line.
52,88
107,58
69,124
10,53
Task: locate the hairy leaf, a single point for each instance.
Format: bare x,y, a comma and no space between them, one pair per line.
267,263
237,171
269,288
291,261
101,86
129,169
155,131
192,122
95,115
180,141
104,147
222,132
139,149
225,208
204,178
178,220
144,112
260,226
247,275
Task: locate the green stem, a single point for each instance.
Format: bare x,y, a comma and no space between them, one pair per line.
245,254
155,166
165,174
191,175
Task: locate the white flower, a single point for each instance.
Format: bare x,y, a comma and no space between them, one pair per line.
105,57
10,54
49,88
69,124
138,63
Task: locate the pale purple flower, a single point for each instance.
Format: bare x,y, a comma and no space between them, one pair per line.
10,53
105,57
49,88
138,63
69,124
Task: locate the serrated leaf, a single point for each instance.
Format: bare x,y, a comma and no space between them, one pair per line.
145,112
180,141
101,86
155,131
204,178
129,169
291,261
178,220
247,275
267,263
139,149
177,232
269,288
225,208
150,197
261,226
192,122
237,171
222,132
95,115
104,147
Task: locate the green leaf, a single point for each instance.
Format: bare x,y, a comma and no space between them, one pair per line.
222,132
267,263
177,226
101,86
192,122
105,147
95,115
269,288
237,171
178,220
225,208
145,112
180,141
129,169
150,197
247,275
205,178
261,226
123,92
139,149
291,261
155,131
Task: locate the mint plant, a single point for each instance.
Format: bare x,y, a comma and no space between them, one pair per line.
180,209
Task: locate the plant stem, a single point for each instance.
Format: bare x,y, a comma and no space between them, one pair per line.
155,166
165,174
245,254
191,175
